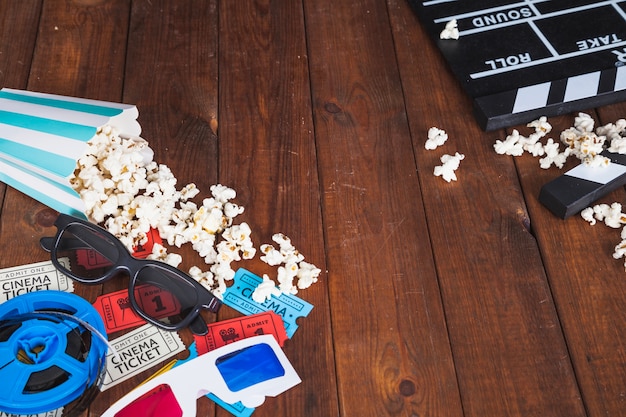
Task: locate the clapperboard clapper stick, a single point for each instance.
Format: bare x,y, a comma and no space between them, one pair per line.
520,60
579,187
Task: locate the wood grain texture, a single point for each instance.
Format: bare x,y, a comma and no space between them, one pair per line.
267,153
17,40
387,313
81,49
510,353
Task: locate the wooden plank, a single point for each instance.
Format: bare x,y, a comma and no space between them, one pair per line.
587,283
175,44
267,154
81,48
17,41
392,351
510,354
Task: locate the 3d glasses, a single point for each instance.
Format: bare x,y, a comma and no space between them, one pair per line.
161,294
245,371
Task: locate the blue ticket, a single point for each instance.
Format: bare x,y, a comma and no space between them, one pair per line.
287,306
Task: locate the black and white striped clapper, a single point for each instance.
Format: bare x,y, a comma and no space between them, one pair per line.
517,63
551,98
579,187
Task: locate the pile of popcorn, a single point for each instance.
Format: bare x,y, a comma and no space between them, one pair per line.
580,141
123,189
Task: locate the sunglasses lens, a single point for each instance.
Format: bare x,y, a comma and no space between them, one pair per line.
249,366
160,401
91,254
164,295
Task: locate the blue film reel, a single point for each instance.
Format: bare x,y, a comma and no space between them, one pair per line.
49,352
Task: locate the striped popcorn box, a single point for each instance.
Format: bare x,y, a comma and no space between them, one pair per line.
42,136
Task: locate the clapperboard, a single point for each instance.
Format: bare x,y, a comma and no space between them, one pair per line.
520,60
579,187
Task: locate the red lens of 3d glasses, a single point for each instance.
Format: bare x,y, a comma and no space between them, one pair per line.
160,401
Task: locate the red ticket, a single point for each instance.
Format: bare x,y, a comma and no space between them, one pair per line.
90,259
224,332
144,250
117,312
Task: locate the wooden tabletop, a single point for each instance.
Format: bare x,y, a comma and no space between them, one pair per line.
466,298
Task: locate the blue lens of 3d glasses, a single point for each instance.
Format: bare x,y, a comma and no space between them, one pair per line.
249,366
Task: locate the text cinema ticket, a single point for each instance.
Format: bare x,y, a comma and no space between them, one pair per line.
224,332
38,276
287,306
139,350
54,413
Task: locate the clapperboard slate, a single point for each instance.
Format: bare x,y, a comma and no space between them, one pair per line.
520,60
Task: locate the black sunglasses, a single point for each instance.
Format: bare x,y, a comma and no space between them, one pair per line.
160,293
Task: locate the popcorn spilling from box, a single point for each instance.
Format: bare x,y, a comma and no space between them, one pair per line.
85,158
130,197
43,135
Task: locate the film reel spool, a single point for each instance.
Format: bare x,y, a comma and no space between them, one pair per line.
49,353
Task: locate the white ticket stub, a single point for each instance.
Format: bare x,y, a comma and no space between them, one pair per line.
39,276
55,413
139,350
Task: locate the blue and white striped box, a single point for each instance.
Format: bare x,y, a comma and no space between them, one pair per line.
42,136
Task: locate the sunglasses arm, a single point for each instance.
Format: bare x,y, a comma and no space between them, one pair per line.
198,326
213,305
47,243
